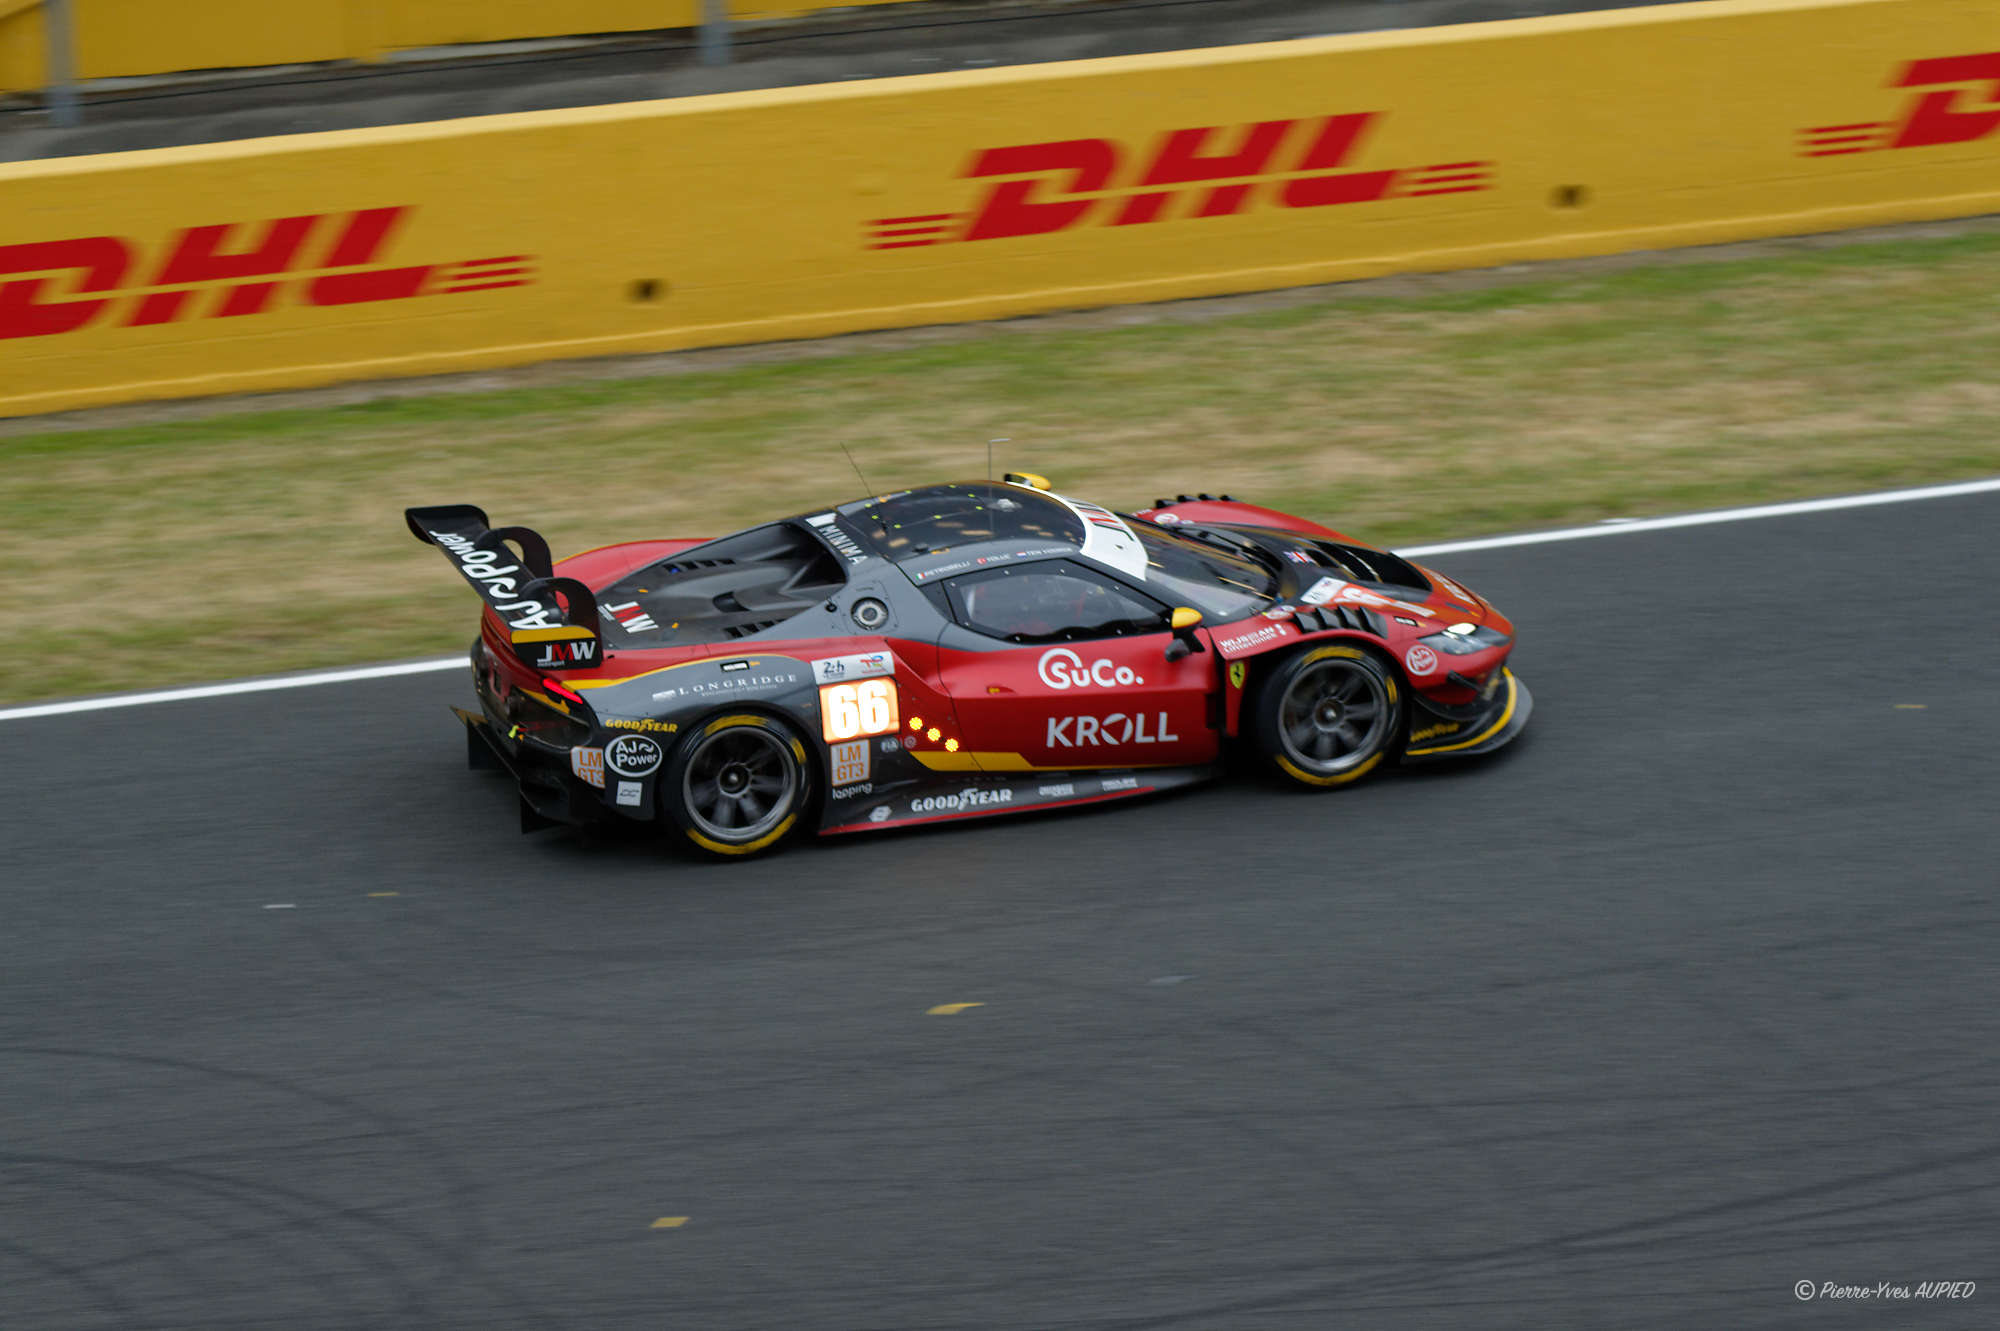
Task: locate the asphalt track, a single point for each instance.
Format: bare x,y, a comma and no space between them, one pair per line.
1689,998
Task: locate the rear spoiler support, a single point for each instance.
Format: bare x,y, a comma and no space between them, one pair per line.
552,622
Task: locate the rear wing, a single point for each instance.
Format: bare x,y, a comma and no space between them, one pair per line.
551,621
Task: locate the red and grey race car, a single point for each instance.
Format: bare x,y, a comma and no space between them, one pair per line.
957,651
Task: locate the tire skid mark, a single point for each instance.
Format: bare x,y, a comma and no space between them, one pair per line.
313,1216
1531,1259
1172,1022
391,977
152,1205
460,1257
105,1295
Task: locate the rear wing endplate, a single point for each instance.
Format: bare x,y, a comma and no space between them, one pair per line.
551,621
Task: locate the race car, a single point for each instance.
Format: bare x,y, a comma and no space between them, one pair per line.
958,651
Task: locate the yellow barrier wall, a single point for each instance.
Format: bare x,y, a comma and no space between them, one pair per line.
803,212
122,38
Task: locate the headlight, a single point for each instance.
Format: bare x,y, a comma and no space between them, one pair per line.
1465,639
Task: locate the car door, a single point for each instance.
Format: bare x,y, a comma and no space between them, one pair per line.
1057,665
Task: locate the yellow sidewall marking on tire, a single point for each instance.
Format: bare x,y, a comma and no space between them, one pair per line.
1298,773
1293,770
1354,654
725,848
747,847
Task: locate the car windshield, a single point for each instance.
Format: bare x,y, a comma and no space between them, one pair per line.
1221,585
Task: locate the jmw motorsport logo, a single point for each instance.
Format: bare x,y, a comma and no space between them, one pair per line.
1960,104
1208,171
226,270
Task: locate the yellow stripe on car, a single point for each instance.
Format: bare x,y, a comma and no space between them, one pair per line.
560,633
679,665
1506,715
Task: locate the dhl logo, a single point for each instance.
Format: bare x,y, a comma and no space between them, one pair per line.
321,258
1187,173
1945,114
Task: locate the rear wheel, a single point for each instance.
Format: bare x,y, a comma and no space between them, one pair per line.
737,784
1327,716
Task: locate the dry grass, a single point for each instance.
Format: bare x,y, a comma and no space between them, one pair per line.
239,544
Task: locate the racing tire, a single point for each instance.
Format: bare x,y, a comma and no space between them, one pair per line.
1327,716
738,784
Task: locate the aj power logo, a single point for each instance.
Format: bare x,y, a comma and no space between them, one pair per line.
1206,171
227,270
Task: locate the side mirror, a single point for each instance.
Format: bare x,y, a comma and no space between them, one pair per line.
1185,621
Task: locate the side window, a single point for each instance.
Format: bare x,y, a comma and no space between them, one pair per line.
1055,601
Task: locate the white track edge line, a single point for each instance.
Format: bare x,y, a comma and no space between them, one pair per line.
1419,551
232,687
1617,527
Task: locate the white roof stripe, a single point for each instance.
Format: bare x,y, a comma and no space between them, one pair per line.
1106,538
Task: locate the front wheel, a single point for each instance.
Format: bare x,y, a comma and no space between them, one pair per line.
1327,716
737,784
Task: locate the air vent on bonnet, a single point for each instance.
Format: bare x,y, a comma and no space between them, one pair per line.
1359,565
1338,617
745,630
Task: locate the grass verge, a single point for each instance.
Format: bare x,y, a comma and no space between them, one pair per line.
239,544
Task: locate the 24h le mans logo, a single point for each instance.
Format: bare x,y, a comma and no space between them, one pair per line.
59,286
1208,171
1961,105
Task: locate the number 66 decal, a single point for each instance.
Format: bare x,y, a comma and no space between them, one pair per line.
864,708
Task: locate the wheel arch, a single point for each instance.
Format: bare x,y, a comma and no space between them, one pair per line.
1278,663
812,755
1259,667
